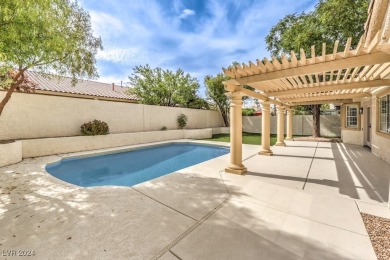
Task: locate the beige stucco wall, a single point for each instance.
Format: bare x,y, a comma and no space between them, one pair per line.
37,116
220,130
10,153
380,146
380,143
352,137
198,133
302,125
48,146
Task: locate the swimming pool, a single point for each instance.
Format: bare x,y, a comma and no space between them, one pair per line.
133,167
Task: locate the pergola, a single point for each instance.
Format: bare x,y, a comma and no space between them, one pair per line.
337,77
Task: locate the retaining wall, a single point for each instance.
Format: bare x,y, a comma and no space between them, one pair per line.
49,146
10,153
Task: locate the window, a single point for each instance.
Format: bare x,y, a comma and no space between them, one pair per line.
384,114
352,116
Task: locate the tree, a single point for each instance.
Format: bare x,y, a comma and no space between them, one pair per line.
198,103
164,87
215,91
330,21
47,36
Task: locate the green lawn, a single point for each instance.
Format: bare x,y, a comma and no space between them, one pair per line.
247,138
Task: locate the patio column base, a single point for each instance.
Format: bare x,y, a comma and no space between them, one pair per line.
268,153
236,169
280,144
289,139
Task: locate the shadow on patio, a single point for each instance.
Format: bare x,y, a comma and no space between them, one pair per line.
330,168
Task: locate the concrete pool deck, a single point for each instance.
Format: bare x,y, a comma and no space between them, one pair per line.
302,203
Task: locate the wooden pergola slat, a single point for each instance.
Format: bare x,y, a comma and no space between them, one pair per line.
327,97
332,87
349,72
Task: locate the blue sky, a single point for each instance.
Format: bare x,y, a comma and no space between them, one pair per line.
198,36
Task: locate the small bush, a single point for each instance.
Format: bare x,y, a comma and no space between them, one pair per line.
95,127
182,121
164,128
248,112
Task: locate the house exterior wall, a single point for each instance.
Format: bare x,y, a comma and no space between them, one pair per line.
352,137
38,116
302,125
380,142
380,145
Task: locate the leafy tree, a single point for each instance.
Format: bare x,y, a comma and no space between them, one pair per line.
306,110
164,87
198,103
47,36
330,21
215,91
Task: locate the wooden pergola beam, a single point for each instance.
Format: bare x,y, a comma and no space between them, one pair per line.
256,95
343,101
334,86
338,64
246,92
326,97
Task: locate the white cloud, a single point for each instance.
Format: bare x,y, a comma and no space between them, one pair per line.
105,25
185,13
154,32
119,55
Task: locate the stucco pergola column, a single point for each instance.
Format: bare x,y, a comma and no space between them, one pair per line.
289,135
265,130
280,128
235,165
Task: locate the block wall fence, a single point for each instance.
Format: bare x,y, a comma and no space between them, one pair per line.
29,116
302,125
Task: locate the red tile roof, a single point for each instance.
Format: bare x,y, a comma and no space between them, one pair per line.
82,87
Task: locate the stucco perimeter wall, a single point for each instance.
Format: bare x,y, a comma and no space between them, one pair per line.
302,125
59,145
10,153
38,116
352,137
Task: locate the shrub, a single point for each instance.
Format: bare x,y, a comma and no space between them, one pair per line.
182,121
95,127
248,112
164,128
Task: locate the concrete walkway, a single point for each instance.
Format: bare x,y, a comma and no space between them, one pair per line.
302,203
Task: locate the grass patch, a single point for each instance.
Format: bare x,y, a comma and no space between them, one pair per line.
247,138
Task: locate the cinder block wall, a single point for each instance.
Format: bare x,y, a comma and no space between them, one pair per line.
38,116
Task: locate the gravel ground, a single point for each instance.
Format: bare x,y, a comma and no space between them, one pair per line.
379,231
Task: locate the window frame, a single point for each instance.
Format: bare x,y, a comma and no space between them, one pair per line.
387,114
347,107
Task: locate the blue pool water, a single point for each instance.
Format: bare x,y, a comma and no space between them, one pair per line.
132,167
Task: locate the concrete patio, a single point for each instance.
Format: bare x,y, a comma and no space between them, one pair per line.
302,203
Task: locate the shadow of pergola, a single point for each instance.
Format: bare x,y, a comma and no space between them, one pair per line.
357,171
